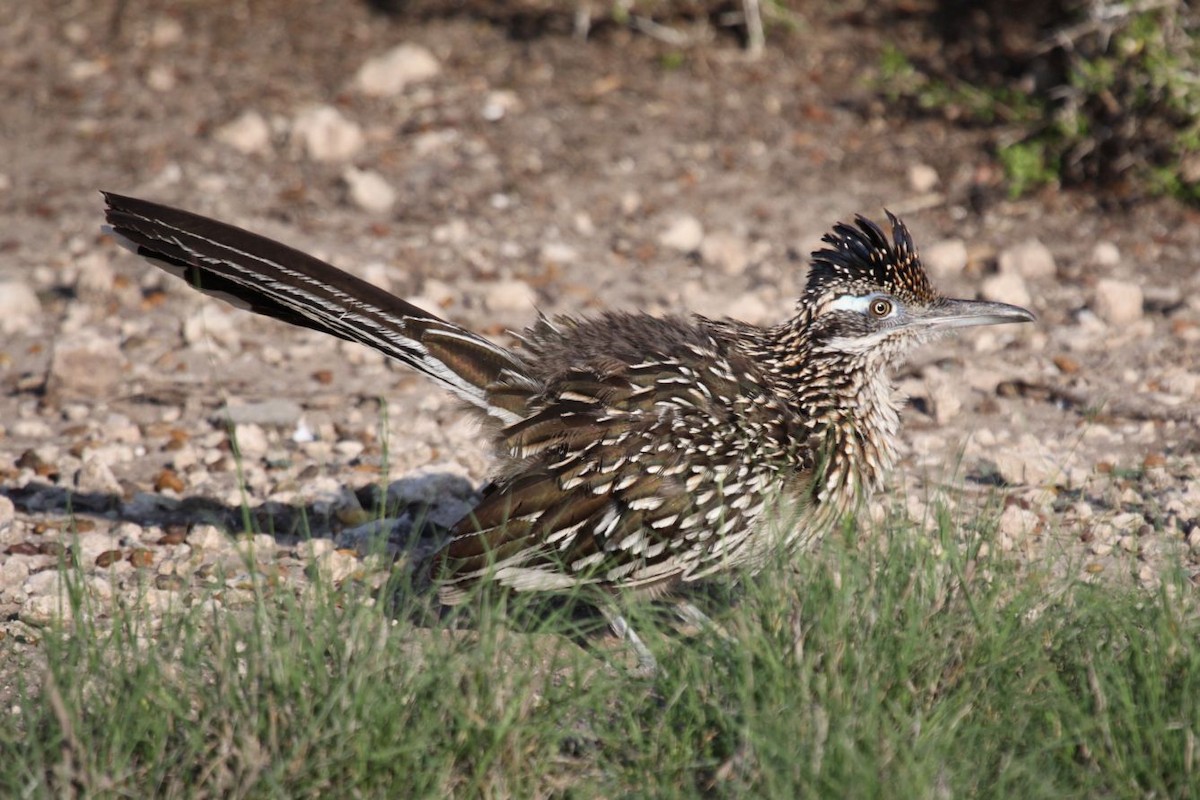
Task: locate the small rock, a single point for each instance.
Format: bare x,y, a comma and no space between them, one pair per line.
1106,254
141,558
946,258
559,253
85,365
922,178
499,103
335,566
510,295
684,233
1006,287
18,305
95,277
1016,522
748,307
93,544
248,134
251,440
314,548
1118,302
725,250
95,477
369,190
326,135
1029,259
8,512
108,558
389,73
212,324
207,537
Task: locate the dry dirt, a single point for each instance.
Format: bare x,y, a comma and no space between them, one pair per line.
545,171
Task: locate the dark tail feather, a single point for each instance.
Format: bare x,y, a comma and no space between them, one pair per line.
269,278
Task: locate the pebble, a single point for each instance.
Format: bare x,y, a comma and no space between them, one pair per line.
335,566
251,440
947,258
249,133
1117,302
369,190
388,74
499,103
1016,522
922,178
1105,254
8,512
95,477
207,537
510,295
429,486
86,365
684,233
19,305
1030,259
726,250
1006,287
214,324
325,135
559,253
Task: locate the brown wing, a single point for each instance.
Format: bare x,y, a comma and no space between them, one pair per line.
625,475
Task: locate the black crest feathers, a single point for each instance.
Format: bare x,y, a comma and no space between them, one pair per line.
863,257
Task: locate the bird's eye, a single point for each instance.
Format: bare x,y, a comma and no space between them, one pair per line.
881,307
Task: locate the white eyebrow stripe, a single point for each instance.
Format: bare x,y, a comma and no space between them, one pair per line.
848,302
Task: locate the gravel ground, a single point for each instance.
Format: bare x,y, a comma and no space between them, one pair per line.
484,177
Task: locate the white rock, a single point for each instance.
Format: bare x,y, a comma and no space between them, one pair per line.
510,295
336,566
207,537
922,178
8,512
213,324
251,440
946,258
748,307
315,548
18,305
278,412
95,277
499,103
93,543
559,253
389,73
86,365
726,250
1017,522
249,133
1029,259
1106,254
1005,287
1117,302
684,233
95,477
369,190
326,135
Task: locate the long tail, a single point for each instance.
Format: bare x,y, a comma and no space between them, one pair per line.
264,276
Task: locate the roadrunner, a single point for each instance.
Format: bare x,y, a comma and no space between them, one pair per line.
634,452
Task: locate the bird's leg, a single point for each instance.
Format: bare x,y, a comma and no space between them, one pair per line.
690,614
647,664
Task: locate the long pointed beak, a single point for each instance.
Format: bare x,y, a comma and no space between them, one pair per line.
968,313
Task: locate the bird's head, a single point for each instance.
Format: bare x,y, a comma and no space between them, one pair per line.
868,296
